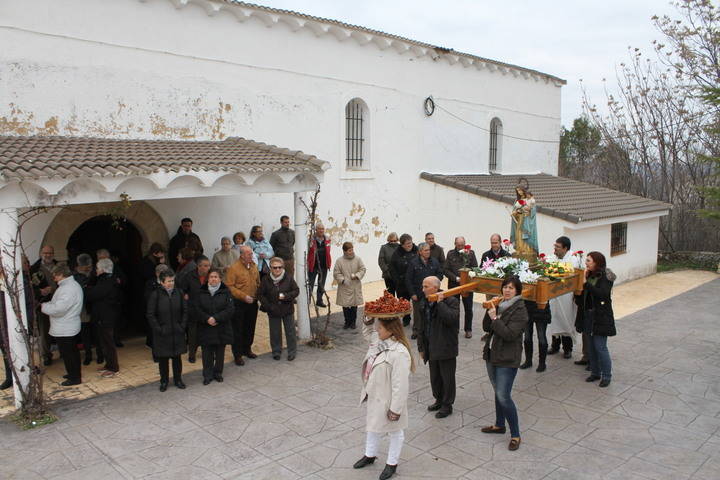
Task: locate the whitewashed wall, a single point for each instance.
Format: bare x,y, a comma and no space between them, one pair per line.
130,69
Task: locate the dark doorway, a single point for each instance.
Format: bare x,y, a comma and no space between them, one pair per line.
124,242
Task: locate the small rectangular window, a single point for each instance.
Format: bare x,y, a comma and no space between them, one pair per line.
618,238
354,135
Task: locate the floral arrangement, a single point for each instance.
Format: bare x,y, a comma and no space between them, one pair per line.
508,246
388,304
506,266
465,255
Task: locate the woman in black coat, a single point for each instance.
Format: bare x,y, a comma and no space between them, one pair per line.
213,311
399,266
167,314
595,316
278,292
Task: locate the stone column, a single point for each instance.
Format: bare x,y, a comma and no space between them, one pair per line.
18,351
301,239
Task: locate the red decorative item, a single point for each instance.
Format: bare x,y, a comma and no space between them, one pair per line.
387,304
522,202
542,255
506,241
579,252
467,248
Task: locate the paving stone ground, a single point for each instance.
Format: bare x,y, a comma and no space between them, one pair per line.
659,419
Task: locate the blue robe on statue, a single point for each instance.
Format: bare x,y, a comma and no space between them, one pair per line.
529,230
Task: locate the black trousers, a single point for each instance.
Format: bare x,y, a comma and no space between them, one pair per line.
390,285
243,323
350,314
165,368
213,360
567,343
442,380
541,335
468,307
107,338
71,357
91,338
320,275
192,340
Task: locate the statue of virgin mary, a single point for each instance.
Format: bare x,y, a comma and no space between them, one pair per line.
523,228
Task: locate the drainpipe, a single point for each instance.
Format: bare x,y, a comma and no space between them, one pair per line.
301,240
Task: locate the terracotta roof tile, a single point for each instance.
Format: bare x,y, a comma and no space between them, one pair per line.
555,196
24,158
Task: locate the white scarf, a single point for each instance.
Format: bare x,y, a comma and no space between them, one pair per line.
277,279
214,289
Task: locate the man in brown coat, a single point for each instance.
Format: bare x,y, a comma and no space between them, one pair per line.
243,280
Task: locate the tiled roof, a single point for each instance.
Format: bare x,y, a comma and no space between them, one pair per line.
555,196
26,158
358,28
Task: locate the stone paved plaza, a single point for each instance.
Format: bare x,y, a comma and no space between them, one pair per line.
659,419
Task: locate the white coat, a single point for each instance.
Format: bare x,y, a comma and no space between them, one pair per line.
348,274
388,384
563,308
64,308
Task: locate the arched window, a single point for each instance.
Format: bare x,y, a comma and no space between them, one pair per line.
494,162
356,130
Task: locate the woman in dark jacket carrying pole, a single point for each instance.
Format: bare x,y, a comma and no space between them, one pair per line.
398,267
167,316
502,352
595,316
278,292
213,311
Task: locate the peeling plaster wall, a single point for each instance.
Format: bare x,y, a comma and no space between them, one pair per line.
130,69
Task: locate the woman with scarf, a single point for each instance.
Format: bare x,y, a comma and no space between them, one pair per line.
505,325
278,291
213,310
399,262
595,316
385,374
348,273
167,314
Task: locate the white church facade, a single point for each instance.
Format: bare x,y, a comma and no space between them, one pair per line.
377,110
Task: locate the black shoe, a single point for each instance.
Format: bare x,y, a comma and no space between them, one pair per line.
413,336
353,326
48,361
250,354
435,407
276,357
218,378
100,360
207,381
527,364
553,351
191,359
66,376
88,360
163,386
541,368
69,383
592,378
179,384
239,361
567,354
444,412
346,326
119,344
364,462
388,472
604,382
587,369
582,361
321,305
6,384
291,358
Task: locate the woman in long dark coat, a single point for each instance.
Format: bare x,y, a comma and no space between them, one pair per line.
213,312
595,316
167,314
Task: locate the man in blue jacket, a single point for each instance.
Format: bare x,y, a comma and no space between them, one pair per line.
418,270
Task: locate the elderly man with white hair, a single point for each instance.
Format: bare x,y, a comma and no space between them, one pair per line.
104,300
438,344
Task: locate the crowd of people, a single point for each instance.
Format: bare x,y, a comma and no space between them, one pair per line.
192,301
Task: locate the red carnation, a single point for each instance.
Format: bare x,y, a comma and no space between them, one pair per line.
522,202
467,248
506,241
579,252
542,255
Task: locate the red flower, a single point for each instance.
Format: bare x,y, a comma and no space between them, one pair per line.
579,252
467,248
506,241
542,255
522,202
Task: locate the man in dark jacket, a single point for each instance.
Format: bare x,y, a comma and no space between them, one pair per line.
438,344
319,262
436,251
398,268
190,283
457,258
384,258
419,268
105,300
181,239
496,251
282,241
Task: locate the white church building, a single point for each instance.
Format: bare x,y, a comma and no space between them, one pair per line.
229,113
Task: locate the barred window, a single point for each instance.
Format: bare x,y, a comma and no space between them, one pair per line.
618,238
356,114
495,145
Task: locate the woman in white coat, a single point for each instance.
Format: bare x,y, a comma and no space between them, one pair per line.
348,273
385,373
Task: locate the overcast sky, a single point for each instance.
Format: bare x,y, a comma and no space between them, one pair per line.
571,39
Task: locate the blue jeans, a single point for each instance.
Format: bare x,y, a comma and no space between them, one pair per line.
502,379
599,357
